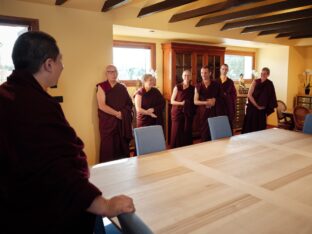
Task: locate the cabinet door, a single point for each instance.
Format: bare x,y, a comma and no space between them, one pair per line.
199,63
214,63
183,62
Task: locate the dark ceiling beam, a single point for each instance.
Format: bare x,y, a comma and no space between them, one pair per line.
307,35
162,6
286,24
289,29
210,9
110,4
60,2
284,5
291,34
269,19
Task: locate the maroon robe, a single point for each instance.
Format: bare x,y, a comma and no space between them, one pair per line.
182,117
44,177
264,95
151,99
230,95
212,91
115,133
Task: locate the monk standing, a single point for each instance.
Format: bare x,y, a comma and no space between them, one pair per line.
44,175
229,93
149,103
208,96
182,112
115,117
261,103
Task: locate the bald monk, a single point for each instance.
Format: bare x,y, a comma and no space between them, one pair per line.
182,112
149,103
229,93
210,101
261,103
44,175
115,117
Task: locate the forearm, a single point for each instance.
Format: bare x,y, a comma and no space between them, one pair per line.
99,206
200,103
177,103
143,111
107,109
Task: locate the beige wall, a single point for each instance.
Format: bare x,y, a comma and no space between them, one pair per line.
276,58
85,39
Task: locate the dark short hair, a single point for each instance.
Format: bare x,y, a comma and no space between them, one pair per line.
32,49
224,64
205,67
266,69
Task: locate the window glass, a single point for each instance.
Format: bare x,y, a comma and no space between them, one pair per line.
239,64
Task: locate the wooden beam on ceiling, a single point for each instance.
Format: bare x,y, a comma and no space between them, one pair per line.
289,29
307,35
269,19
289,34
111,4
286,24
60,2
284,5
210,9
162,6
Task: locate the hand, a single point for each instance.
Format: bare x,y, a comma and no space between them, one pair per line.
118,115
118,205
261,107
153,115
150,110
183,103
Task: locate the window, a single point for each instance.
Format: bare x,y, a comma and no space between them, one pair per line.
133,60
240,63
10,29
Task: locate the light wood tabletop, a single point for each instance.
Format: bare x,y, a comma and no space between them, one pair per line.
259,182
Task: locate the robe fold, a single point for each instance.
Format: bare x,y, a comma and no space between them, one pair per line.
230,95
115,133
44,174
182,117
212,91
264,95
151,99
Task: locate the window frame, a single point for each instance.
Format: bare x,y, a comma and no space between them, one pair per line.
243,53
138,45
33,24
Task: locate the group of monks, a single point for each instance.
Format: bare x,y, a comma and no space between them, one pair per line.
210,98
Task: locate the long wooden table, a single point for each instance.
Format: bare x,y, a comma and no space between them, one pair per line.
253,183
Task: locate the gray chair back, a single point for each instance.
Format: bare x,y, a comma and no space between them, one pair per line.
219,127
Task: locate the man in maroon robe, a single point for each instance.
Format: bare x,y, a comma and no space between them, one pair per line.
229,93
261,103
182,112
44,177
115,117
209,98
149,103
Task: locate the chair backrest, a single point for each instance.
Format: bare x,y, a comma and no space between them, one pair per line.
307,126
219,127
149,139
299,114
281,106
131,224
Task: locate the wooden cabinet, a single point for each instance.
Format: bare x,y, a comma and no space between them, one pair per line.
240,112
304,100
178,57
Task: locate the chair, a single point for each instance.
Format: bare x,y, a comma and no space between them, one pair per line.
299,114
149,139
284,121
130,223
219,127
307,126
